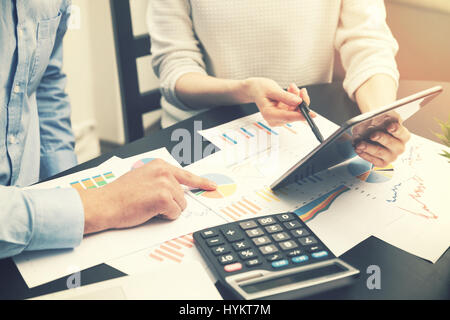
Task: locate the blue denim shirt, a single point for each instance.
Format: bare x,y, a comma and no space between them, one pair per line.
36,140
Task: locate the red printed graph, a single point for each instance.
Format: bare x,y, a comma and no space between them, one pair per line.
241,209
173,250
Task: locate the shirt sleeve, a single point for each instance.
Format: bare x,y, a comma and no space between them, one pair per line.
365,42
175,47
57,139
39,219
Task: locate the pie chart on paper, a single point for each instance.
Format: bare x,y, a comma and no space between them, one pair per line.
365,171
226,187
141,163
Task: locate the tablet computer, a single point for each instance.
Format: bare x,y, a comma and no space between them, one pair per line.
340,145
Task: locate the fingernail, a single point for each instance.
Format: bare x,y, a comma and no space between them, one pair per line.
393,127
361,146
375,136
213,185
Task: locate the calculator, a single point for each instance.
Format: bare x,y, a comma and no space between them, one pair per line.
271,257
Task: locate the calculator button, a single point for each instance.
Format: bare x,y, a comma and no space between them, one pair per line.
232,234
280,263
285,217
320,254
274,257
288,245
247,254
300,232
280,236
261,240
241,245
300,259
228,258
266,221
208,233
233,267
314,249
273,228
253,262
221,250
211,242
254,232
248,224
306,241
292,224
295,252
265,250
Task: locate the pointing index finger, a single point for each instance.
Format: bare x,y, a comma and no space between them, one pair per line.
191,180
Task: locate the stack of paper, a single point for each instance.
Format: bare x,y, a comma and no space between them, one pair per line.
403,204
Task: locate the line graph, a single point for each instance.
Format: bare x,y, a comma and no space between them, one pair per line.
416,195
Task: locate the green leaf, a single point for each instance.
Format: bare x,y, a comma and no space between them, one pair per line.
444,136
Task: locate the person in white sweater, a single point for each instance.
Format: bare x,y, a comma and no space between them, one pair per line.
208,53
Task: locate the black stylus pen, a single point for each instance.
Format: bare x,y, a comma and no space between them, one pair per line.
304,109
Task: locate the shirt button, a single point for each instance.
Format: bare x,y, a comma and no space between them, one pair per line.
12,139
17,89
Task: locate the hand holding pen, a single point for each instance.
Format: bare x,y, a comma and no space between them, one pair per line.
303,108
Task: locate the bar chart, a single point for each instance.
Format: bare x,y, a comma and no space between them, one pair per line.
94,182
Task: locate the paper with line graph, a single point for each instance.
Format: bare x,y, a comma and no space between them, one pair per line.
416,186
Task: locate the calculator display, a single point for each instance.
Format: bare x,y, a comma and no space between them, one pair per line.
296,277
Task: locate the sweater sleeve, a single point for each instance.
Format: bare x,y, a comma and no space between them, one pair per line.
175,47
365,42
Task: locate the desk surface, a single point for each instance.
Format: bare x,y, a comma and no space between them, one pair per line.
403,276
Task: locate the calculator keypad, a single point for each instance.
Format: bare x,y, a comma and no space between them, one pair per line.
276,241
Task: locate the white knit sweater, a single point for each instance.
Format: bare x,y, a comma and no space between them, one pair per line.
284,40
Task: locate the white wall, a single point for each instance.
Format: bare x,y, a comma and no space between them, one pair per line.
93,85
422,30
78,66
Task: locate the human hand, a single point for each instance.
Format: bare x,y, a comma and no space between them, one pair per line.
276,105
384,142
138,196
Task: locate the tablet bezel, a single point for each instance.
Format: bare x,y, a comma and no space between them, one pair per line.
430,93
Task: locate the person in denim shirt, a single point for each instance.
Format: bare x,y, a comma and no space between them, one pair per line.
36,141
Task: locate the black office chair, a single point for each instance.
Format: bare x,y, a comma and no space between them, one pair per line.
128,49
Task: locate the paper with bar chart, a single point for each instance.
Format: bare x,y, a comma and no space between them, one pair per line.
321,200
251,135
174,252
39,267
237,197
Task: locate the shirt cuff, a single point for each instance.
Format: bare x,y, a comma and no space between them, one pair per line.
56,162
352,84
58,220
